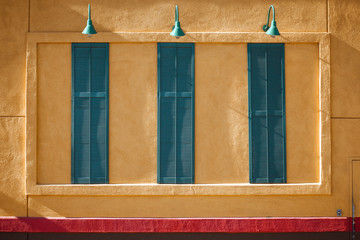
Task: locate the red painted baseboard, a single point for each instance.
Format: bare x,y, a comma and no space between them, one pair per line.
167,225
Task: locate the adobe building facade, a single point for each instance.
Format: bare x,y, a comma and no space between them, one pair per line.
225,132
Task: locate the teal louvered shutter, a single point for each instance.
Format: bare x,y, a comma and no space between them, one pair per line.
176,113
90,101
267,134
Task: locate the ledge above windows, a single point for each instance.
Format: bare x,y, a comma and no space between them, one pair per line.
180,190
197,37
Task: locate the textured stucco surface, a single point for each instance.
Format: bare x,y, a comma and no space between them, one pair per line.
344,24
221,113
302,112
345,148
12,166
54,113
153,16
13,28
187,206
148,16
133,113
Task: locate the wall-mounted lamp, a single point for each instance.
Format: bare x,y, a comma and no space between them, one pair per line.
273,31
89,29
177,31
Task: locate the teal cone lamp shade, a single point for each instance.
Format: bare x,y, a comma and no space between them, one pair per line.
89,29
273,31
177,31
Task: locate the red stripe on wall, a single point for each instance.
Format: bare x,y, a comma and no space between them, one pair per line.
166,225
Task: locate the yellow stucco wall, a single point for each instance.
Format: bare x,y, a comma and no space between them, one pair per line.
13,28
195,16
345,53
132,113
54,94
338,17
188,206
221,113
302,112
12,167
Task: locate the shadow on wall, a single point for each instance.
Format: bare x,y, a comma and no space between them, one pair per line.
221,122
345,82
107,16
158,16
11,206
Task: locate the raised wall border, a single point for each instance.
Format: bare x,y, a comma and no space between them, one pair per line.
321,188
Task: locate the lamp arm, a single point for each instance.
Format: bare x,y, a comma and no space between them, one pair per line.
176,14
89,16
271,6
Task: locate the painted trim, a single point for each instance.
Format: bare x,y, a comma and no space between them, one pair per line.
167,225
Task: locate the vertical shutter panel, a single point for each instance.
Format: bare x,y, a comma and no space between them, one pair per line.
167,110
81,140
184,143
258,119
259,161
90,113
98,141
175,113
276,114
184,122
80,114
98,146
267,113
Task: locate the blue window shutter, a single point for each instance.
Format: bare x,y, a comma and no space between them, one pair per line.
267,134
175,113
90,101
